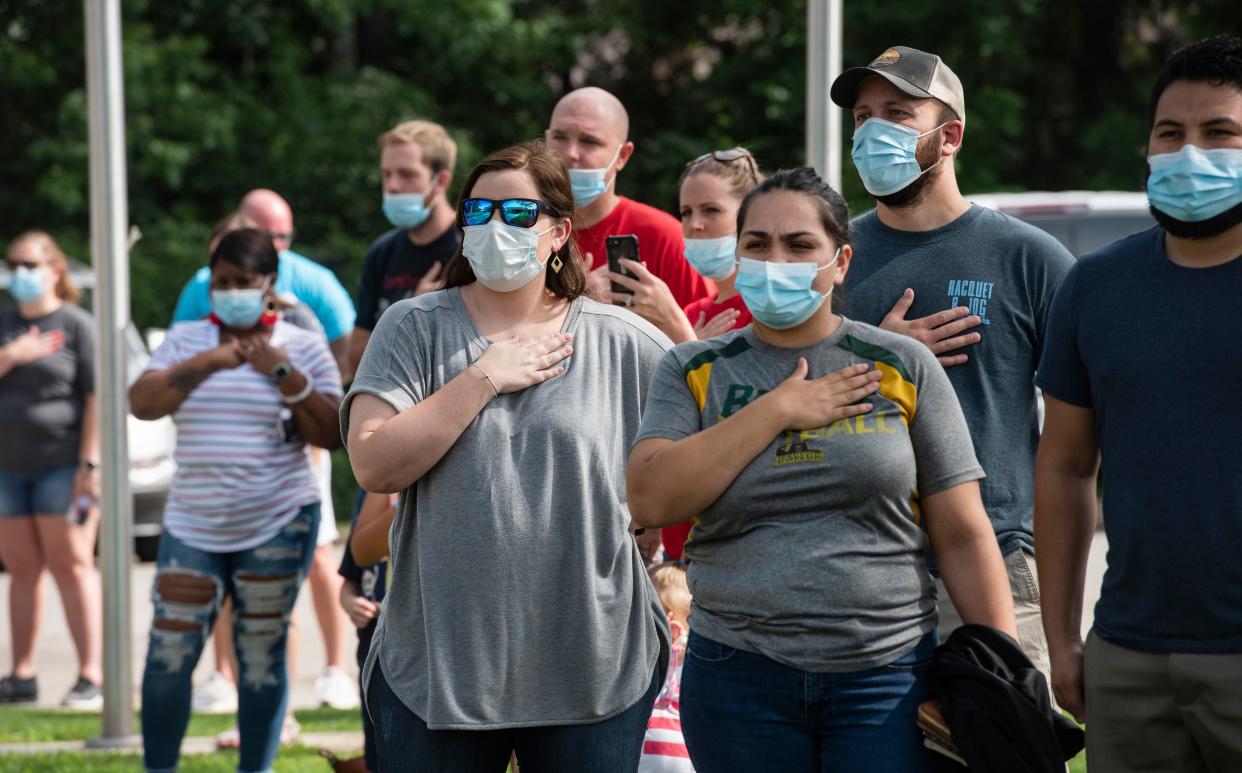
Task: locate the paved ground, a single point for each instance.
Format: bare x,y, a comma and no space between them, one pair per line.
58,663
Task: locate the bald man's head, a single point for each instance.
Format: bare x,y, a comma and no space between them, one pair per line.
590,128
271,212
599,105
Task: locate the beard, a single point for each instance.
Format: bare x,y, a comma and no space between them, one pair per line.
1200,229
926,153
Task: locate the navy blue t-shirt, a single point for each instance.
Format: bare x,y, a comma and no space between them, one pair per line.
1155,350
1006,271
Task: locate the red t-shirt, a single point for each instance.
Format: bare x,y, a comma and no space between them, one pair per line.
674,537
712,308
660,246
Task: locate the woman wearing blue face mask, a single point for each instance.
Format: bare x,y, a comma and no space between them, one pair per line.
518,615
247,392
820,459
48,464
712,187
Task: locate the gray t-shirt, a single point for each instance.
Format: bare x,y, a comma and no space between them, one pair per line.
517,595
1006,271
815,556
41,401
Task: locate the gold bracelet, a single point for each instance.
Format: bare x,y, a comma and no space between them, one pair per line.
489,378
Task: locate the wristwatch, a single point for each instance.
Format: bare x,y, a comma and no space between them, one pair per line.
281,372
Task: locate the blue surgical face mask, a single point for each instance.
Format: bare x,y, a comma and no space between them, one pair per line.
239,309
408,210
504,257
712,258
780,294
1195,184
589,184
884,154
28,284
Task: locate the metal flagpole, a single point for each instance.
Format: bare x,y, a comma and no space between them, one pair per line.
824,21
110,256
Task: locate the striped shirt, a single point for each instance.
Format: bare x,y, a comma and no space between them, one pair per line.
237,484
664,747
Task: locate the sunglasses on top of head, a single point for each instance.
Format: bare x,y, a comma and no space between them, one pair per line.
728,157
519,212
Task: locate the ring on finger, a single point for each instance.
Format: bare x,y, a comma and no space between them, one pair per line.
629,301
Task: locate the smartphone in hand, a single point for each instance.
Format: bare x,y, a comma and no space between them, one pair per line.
617,247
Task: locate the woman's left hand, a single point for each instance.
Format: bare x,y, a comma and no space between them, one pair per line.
649,297
261,355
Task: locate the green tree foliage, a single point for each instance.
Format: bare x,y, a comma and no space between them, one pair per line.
225,95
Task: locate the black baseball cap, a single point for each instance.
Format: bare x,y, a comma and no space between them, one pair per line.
914,72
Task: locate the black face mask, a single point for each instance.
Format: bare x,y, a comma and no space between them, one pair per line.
1202,229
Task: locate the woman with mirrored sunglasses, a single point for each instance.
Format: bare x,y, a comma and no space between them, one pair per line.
821,459
501,408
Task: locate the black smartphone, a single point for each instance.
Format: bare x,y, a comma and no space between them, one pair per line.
618,247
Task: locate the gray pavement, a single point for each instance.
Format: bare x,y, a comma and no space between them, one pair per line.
58,662
57,659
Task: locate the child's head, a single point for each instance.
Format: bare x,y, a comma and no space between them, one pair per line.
669,579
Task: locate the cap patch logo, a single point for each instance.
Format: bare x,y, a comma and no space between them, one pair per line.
891,56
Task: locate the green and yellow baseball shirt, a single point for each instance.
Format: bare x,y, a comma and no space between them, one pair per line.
815,556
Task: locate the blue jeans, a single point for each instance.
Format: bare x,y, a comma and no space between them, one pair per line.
189,586
744,712
406,744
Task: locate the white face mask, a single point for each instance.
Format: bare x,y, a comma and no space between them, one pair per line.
504,257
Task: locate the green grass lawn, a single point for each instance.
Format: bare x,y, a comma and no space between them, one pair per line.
22,725
19,725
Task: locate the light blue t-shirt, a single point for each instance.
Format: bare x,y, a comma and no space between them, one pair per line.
312,284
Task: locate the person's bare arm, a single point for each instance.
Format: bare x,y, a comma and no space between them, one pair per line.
1065,517
669,481
942,332
159,393
340,349
390,450
650,298
86,479
969,560
369,542
357,345
317,415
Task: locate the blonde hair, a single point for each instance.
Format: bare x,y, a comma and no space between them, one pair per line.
234,222
66,290
741,175
439,150
669,579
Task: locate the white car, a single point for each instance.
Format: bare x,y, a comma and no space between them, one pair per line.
1081,220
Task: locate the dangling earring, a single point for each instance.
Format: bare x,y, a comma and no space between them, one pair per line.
557,263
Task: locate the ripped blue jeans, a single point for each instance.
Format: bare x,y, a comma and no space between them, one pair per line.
189,586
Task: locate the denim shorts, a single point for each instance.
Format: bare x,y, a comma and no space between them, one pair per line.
47,492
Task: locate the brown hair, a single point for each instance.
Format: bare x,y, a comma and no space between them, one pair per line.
66,290
741,174
439,150
547,170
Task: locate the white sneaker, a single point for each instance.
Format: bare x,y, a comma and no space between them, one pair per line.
215,696
337,690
